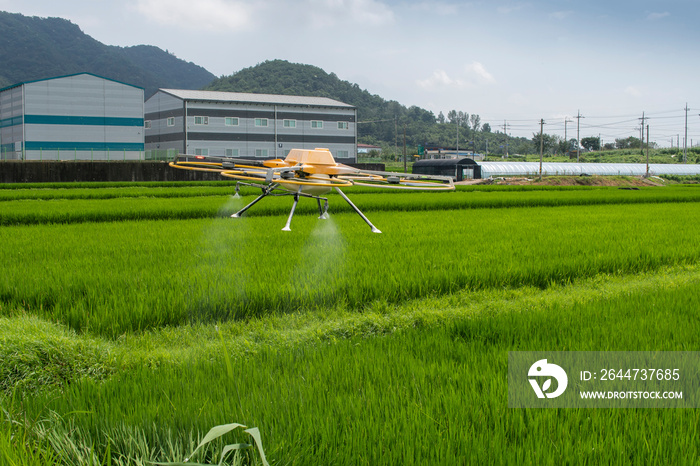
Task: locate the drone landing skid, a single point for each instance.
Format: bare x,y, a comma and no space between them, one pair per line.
267,190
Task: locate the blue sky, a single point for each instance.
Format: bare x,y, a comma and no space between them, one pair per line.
513,61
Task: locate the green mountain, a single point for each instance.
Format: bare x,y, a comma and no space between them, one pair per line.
380,121
34,48
283,77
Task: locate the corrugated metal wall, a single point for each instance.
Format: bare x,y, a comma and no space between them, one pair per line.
229,128
11,128
82,117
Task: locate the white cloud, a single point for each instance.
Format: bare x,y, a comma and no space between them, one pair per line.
561,14
634,91
473,75
327,13
656,16
439,8
439,78
513,7
215,15
477,74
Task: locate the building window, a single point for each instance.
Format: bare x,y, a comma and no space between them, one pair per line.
231,121
201,120
201,152
261,152
147,124
261,122
231,152
316,124
342,154
342,125
171,121
289,123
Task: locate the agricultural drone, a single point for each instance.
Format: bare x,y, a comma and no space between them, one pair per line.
307,173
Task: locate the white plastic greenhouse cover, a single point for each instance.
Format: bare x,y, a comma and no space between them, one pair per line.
489,169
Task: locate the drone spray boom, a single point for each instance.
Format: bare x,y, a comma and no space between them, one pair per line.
307,173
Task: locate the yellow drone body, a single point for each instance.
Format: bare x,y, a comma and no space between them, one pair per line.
308,173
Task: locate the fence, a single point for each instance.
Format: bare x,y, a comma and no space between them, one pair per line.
17,171
91,155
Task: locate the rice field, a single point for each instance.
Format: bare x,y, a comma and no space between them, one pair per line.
135,318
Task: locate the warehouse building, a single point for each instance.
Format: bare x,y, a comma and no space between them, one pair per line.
249,126
76,117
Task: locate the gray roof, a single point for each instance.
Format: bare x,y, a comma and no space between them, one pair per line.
65,76
551,168
217,96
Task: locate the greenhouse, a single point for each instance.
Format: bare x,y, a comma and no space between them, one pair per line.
459,169
491,169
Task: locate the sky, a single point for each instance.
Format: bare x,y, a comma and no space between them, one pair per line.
514,63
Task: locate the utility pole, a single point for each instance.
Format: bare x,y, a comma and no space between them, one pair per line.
578,136
541,144
647,175
404,147
566,120
457,119
396,135
505,131
685,140
641,135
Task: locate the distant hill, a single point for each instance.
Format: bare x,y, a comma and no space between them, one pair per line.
283,77
34,48
381,121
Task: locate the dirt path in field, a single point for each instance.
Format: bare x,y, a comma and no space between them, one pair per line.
623,181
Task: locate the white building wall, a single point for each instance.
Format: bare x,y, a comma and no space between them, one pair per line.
206,131
81,117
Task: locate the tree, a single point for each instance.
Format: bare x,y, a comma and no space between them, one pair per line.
452,116
591,143
628,143
463,119
549,142
441,118
564,146
475,121
486,128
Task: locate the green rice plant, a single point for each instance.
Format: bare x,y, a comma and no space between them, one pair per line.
431,393
186,203
111,278
38,355
113,184
119,192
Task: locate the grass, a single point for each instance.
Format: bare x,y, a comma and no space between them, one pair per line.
125,341
193,203
425,388
111,278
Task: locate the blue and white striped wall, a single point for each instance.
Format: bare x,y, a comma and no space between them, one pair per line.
77,117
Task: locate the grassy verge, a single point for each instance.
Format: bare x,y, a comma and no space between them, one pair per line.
423,382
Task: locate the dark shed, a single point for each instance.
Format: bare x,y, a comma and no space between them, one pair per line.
458,169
